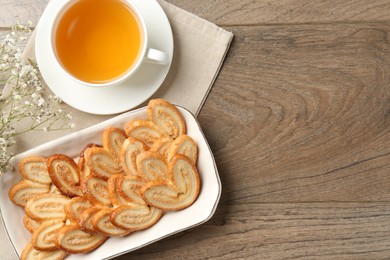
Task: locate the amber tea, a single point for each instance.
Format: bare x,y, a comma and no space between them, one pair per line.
98,41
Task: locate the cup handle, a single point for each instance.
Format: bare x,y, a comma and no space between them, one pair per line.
156,56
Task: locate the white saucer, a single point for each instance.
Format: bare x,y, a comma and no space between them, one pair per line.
110,100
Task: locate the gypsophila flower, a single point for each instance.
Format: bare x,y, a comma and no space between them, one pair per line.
25,69
40,102
23,104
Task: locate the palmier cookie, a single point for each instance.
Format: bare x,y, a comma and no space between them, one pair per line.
180,192
73,240
43,236
185,145
162,146
64,173
30,224
34,168
46,206
83,167
75,206
113,193
152,166
84,220
167,117
144,130
128,188
24,190
101,163
135,218
102,224
112,139
130,149
30,253
184,174
96,191
54,189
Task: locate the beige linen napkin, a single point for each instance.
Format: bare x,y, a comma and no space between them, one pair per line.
200,49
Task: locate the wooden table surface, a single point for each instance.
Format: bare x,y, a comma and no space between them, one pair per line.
299,123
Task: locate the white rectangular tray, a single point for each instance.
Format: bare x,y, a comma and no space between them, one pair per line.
171,223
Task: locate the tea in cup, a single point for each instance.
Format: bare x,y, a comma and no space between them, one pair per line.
102,42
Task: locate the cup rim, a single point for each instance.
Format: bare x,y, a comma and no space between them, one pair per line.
53,26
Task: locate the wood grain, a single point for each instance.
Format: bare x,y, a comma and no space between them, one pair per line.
243,12
11,10
247,12
300,113
282,231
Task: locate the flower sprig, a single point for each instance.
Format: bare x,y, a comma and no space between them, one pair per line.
24,105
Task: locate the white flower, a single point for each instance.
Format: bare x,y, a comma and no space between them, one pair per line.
18,56
22,96
25,69
57,99
10,40
41,102
5,57
5,119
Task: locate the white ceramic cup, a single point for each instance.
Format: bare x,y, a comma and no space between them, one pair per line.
147,54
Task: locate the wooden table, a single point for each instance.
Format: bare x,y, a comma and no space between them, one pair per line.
299,123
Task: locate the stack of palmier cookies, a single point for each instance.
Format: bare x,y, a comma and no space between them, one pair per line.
116,188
